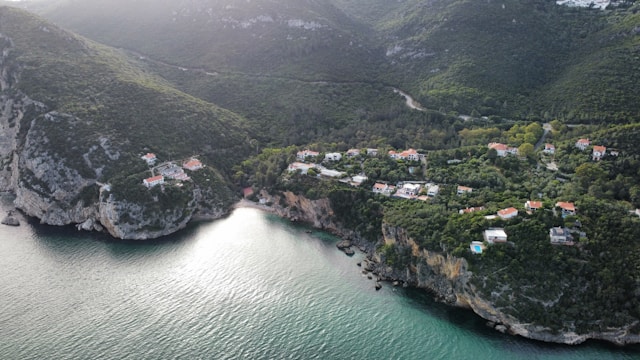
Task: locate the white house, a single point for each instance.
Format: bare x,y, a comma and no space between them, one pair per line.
304,168
330,173
332,156
531,205
302,155
502,149
560,235
495,236
410,154
433,190
384,189
470,210
598,152
549,149
582,144
153,181
353,152
150,158
411,189
464,190
508,213
372,152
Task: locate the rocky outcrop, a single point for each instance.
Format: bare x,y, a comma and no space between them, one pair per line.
446,276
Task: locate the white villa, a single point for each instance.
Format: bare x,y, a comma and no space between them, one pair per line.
531,205
304,168
150,158
508,213
582,144
495,236
410,154
332,156
502,149
153,181
598,152
302,155
193,165
464,190
433,190
549,149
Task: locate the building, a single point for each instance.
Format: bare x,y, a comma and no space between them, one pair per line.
153,181
332,156
549,149
531,205
567,208
508,213
302,155
464,190
304,168
192,164
470,210
384,189
411,155
495,236
357,180
331,173
560,236
502,149
372,152
583,144
411,189
150,158
598,152
433,190
353,152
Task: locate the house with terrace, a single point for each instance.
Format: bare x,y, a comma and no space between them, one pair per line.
495,235
532,206
464,190
598,152
153,181
560,236
583,144
502,149
508,213
304,154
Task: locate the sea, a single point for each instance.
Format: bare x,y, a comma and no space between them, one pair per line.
249,286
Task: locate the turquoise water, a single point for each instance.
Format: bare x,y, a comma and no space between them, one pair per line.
250,286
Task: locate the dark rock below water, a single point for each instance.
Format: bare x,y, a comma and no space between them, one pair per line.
348,251
359,264
378,286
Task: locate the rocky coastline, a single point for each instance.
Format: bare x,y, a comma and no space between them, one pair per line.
445,276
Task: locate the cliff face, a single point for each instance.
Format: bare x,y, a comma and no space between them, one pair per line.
59,180
446,276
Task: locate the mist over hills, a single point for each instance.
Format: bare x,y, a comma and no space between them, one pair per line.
521,59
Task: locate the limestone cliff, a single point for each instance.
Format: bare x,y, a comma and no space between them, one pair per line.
63,181
446,276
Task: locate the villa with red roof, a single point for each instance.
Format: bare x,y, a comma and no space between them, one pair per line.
598,152
549,149
153,181
306,153
582,144
531,205
568,208
463,190
193,165
502,149
508,213
410,154
150,158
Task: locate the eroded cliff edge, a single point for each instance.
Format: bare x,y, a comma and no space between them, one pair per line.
446,276
61,170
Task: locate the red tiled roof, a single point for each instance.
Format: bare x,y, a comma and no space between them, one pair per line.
498,146
568,206
534,204
583,141
599,149
154,178
464,188
149,156
507,211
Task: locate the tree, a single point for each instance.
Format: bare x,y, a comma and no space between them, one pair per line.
525,150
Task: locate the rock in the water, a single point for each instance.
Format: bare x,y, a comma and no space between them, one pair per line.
344,244
501,328
359,263
348,251
378,286
11,221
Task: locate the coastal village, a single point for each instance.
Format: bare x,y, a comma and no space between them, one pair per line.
306,164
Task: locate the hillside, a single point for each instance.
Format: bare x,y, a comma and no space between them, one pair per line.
78,115
299,39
